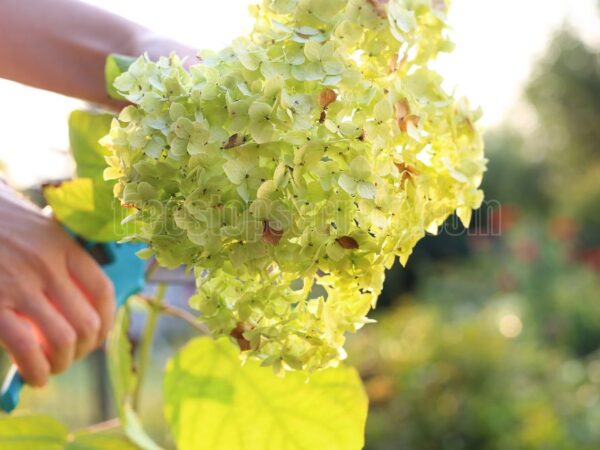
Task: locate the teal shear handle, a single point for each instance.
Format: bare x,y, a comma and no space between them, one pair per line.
127,273
11,390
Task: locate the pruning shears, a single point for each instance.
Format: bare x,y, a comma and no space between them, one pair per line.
127,273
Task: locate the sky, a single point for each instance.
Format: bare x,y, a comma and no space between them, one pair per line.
497,44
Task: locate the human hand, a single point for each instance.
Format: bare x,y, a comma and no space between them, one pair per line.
56,304
37,33
156,46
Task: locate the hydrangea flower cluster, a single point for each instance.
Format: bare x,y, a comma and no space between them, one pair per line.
291,168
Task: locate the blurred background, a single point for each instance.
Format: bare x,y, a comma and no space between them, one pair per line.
490,337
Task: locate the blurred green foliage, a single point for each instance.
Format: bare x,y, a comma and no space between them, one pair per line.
438,385
498,353
494,341
534,270
511,173
566,94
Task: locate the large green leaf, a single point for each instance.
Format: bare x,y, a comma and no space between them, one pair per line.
134,429
89,209
87,205
115,66
212,402
123,379
88,441
86,128
32,432
45,433
120,361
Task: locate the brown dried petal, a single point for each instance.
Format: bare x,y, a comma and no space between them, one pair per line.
347,242
327,97
469,124
403,167
407,172
322,117
401,62
394,61
235,140
379,6
50,184
271,235
402,108
238,334
129,206
411,118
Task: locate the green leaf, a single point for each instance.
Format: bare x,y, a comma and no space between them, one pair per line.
32,432
123,380
45,433
115,66
95,441
87,205
132,425
120,362
88,209
215,403
85,130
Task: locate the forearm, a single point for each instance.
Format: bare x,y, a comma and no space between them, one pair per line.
61,45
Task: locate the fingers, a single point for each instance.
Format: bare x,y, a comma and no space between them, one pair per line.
18,338
95,285
55,334
78,312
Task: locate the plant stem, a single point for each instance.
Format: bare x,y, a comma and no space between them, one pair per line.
152,268
179,313
147,341
103,427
